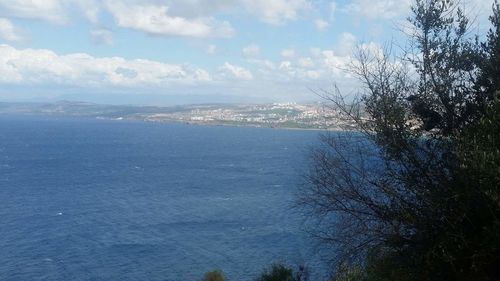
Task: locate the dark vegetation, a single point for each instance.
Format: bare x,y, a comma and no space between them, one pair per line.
215,275
429,118
413,194
276,272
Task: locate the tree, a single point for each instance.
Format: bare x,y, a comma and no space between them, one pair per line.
413,194
489,78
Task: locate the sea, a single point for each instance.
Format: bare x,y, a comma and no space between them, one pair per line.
87,199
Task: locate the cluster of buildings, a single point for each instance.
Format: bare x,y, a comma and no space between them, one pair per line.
289,115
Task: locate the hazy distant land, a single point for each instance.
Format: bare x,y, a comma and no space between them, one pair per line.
275,115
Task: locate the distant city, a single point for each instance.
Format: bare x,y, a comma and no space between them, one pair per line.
274,115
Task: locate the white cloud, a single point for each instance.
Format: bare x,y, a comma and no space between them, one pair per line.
315,52
321,25
285,64
53,11
373,49
327,65
40,66
334,63
374,9
251,51
155,19
346,44
102,36
90,8
8,31
198,8
47,10
263,64
288,53
31,67
305,62
321,68
235,72
195,14
296,71
276,11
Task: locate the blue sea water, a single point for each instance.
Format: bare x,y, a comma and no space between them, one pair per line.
84,199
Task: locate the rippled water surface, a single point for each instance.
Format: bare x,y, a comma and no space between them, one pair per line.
117,200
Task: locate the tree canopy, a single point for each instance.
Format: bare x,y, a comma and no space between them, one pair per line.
413,194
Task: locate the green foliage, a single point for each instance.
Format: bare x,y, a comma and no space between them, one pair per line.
478,183
488,80
430,209
215,275
345,272
277,272
446,57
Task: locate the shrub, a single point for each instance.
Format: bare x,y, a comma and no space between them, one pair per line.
216,275
277,272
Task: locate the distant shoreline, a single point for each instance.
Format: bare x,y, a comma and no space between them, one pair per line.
242,125
285,116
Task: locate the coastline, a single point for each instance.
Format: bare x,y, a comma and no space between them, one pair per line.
304,117
221,124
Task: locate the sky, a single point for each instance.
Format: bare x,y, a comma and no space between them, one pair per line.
191,51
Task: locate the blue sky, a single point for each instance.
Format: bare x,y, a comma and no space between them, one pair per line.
188,51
